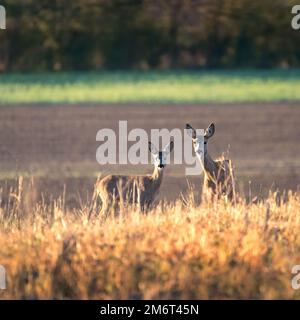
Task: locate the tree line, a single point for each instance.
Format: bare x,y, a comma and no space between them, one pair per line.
66,35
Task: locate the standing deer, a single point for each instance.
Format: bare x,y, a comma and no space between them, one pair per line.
218,175
140,190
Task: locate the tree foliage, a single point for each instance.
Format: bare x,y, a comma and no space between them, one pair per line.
147,34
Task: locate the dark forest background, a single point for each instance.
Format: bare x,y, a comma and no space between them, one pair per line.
44,35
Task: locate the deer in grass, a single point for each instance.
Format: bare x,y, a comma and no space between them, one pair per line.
140,190
218,175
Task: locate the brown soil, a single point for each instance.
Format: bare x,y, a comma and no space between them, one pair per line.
59,143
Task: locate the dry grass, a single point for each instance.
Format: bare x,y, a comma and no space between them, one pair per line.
180,251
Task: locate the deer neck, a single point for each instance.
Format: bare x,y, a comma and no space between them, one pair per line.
157,175
209,164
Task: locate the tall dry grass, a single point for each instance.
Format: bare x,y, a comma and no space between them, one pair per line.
181,250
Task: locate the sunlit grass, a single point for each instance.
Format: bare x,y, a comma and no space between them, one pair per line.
151,87
181,251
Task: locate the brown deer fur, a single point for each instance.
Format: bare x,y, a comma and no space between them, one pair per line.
218,175
114,190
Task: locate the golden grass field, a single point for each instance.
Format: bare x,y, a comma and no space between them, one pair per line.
180,250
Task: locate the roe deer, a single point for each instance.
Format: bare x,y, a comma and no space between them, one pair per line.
218,175
140,190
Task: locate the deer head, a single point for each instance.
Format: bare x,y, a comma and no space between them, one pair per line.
160,157
197,140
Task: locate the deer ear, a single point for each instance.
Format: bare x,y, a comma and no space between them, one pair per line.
152,148
169,147
210,130
191,131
